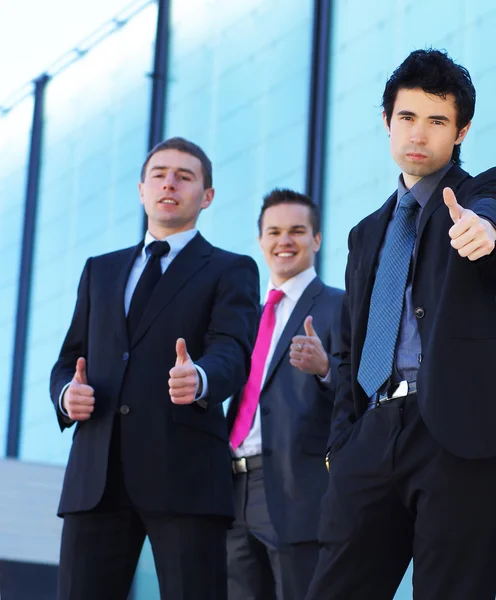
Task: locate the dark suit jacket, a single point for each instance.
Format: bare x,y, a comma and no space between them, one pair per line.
457,322
175,458
295,412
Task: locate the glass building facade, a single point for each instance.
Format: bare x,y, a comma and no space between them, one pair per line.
240,81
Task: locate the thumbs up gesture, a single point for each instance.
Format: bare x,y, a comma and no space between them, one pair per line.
184,379
471,235
79,398
307,353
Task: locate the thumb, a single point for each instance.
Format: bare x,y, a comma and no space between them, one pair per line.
80,375
182,353
455,210
308,325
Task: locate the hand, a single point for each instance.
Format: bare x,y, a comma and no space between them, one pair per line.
473,236
184,379
79,398
307,353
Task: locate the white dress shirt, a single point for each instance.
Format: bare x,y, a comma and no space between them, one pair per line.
177,242
293,289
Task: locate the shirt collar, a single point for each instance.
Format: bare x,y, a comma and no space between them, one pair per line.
177,242
293,288
424,188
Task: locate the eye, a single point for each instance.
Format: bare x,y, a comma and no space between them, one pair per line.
185,178
405,118
438,122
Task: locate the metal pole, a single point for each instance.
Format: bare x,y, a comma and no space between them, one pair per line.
26,271
317,122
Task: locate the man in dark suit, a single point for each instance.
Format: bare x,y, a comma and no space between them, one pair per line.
412,454
280,423
162,333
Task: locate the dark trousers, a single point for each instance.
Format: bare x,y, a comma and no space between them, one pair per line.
259,566
100,549
395,493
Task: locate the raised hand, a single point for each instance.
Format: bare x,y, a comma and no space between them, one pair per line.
184,378
79,397
473,236
307,353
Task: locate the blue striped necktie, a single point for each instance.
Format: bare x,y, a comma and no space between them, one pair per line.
386,303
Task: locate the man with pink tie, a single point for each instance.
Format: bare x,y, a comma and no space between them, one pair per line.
279,423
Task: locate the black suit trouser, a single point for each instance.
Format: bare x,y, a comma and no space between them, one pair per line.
260,567
100,548
394,493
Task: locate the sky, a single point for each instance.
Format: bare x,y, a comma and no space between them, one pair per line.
36,33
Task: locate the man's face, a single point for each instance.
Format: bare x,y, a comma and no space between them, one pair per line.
172,192
287,241
423,132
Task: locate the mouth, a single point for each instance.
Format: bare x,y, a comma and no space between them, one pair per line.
170,201
416,156
285,254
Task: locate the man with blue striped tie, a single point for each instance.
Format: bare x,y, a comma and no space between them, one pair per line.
412,452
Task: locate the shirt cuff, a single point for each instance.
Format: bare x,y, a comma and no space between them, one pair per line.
204,384
325,380
61,397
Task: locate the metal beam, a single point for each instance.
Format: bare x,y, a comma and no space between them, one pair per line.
317,121
26,271
159,79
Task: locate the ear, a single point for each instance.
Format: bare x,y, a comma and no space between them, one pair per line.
462,133
384,120
208,197
317,241
140,190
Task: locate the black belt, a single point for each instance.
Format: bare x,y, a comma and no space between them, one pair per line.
246,464
395,390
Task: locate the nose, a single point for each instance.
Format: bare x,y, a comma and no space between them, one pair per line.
285,239
418,133
169,181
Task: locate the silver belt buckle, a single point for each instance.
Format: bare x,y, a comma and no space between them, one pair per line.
239,465
396,390
400,391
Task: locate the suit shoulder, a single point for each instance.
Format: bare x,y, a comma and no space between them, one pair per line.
484,182
333,292
109,257
229,258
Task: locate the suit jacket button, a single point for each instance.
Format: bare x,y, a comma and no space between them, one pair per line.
265,410
267,452
124,409
125,356
419,312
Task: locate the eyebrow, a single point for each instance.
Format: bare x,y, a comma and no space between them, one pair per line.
409,113
180,169
269,227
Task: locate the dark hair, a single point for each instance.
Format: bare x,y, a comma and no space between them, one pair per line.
436,73
285,196
182,145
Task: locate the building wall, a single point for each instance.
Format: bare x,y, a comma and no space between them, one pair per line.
238,85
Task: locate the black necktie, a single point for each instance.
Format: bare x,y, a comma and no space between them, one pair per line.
146,284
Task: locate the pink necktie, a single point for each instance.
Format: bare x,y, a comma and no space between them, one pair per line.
251,392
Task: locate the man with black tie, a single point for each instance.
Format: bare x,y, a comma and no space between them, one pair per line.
412,454
162,333
280,423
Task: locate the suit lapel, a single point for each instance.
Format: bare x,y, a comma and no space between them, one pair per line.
115,281
452,179
300,311
189,261
373,236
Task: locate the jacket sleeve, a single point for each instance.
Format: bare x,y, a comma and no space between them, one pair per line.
74,346
343,415
232,330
